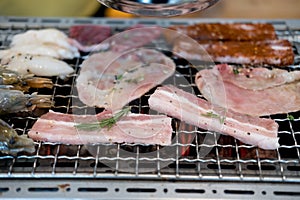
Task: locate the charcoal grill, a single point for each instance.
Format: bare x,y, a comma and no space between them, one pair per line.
229,170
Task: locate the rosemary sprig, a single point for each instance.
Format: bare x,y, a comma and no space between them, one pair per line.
118,77
290,117
236,71
135,80
214,115
105,123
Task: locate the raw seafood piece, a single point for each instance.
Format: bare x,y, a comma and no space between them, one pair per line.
111,80
258,78
281,98
133,128
11,142
228,31
47,42
187,107
13,101
271,52
37,50
12,80
37,65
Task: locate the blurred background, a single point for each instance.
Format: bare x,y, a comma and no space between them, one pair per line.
259,9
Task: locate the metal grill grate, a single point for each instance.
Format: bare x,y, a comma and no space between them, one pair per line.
227,160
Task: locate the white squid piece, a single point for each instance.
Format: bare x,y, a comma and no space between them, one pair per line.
38,65
47,42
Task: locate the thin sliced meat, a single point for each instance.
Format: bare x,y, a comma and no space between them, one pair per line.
282,98
271,52
133,37
111,80
89,34
187,107
259,78
228,31
133,128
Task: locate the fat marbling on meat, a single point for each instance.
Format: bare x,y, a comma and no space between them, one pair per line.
261,132
132,128
111,80
257,92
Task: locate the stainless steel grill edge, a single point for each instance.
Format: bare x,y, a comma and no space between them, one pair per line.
68,170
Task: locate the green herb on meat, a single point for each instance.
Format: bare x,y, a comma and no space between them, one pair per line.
105,123
236,71
290,117
135,80
118,77
215,116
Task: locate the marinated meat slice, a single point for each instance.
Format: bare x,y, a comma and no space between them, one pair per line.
89,34
276,99
258,78
111,80
272,52
227,31
187,107
133,128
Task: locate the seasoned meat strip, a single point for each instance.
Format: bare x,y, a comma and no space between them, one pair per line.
271,52
227,31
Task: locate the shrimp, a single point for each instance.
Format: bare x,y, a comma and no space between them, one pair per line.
11,142
13,101
13,80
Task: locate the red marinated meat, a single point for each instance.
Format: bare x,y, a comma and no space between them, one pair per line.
89,34
227,31
271,52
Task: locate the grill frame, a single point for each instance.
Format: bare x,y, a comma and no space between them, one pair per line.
75,166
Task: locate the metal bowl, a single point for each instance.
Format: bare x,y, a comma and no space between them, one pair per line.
158,8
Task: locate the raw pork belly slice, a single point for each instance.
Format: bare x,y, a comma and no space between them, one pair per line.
187,107
133,128
279,95
271,52
227,31
111,79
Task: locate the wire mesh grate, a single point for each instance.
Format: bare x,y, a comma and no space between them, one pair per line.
193,157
